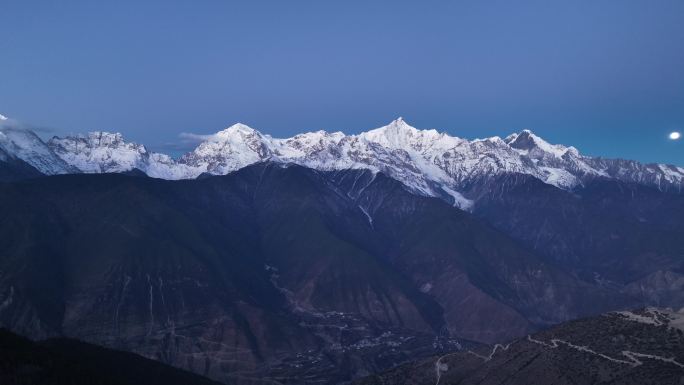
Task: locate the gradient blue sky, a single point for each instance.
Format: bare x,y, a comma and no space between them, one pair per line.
604,76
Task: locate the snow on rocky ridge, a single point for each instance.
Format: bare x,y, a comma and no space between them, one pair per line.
17,142
427,161
104,152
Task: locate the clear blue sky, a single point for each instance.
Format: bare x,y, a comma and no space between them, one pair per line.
605,76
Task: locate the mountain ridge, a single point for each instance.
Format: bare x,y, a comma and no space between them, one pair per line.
431,163
643,346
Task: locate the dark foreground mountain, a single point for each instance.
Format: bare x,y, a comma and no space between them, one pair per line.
640,347
16,169
282,273
63,361
276,271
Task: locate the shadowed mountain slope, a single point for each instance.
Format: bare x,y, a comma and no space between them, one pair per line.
274,271
62,361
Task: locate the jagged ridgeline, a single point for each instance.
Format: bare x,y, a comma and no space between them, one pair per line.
427,161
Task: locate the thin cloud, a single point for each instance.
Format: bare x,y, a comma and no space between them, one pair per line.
9,123
187,142
190,137
43,130
173,148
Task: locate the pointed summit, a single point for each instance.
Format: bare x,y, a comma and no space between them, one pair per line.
534,146
237,128
228,150
240,127
397,134
400,123
523,140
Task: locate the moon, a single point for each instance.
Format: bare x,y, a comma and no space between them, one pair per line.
675,135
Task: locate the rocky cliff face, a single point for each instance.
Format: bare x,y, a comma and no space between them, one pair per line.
103,152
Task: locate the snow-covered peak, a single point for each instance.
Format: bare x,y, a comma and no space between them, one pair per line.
402,136
397,134
237,135
526,142
235,129
228,150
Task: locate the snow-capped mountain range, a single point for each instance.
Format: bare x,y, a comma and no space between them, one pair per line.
427,161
